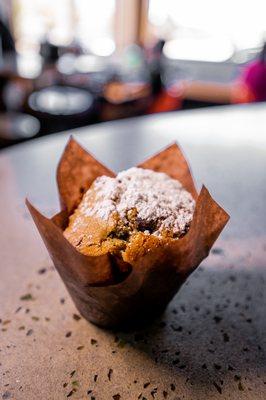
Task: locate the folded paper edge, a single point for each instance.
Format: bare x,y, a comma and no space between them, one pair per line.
172,155
71,168
208,222
87,270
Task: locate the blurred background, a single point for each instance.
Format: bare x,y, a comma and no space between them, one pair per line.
70,63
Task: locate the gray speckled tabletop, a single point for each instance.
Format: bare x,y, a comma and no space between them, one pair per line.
211,341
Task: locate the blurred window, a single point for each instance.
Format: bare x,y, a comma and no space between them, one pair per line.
95,25
208,30
89,22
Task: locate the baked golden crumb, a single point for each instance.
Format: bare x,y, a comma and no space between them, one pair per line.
114,211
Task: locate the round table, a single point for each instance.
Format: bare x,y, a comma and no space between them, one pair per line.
210,343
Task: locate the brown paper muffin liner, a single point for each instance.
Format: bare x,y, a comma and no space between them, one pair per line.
113,293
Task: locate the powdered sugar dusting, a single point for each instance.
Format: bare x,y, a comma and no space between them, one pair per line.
161,204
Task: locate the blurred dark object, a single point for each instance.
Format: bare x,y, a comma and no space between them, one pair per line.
61,107
156,67
50,55
17,127
49,52
3,82
163,99
194,104
7,50
7,41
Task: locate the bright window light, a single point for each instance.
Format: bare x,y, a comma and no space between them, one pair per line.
240,22
88,22
212,49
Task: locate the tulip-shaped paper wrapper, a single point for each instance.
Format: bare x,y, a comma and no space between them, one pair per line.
155,270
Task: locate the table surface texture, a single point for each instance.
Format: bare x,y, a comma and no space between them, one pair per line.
211,341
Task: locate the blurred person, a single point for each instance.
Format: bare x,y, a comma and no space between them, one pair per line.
251,86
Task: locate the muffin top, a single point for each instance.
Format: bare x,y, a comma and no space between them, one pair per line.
136,200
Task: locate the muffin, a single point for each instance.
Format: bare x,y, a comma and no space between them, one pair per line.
114,211
125,244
